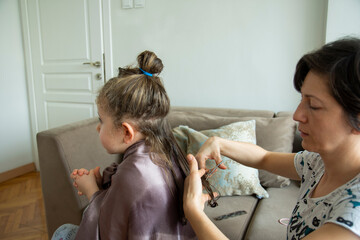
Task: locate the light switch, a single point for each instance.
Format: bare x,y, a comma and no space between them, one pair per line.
139,3
127,3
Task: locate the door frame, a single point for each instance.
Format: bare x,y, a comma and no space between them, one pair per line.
108,63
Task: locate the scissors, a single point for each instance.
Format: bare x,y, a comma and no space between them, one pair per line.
209,174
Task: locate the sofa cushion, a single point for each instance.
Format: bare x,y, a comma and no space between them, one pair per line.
297,147
268,179
265,222
237,179
234,227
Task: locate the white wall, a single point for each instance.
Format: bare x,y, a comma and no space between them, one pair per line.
15,140
234,53
343,19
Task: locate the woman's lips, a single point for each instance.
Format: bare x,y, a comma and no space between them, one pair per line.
303,134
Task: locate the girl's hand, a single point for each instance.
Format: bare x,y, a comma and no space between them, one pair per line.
82,171
193,198
75,174
210,150
86,184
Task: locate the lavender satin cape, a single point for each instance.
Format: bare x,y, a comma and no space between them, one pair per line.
136,204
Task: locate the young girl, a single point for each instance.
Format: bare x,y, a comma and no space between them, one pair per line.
140,198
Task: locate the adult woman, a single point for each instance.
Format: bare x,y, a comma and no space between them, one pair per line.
328,205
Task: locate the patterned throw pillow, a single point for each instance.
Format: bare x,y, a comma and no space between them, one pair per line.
237,179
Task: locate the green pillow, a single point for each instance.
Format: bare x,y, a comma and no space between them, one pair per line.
237,179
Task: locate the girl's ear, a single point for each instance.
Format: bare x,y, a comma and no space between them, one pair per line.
129,132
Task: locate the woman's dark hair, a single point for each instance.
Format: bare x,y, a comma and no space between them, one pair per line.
138,95
340,62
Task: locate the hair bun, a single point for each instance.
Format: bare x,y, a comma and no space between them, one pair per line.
149,62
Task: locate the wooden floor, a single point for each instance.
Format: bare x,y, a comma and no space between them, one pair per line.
22,214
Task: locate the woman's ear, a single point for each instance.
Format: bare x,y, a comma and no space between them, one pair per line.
355,131
129,132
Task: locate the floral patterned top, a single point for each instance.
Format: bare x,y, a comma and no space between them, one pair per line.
341,207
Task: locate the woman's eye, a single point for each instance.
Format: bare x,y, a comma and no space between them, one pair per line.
100,120
313,105
314,108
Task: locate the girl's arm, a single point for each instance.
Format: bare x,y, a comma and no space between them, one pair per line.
247,154
194,201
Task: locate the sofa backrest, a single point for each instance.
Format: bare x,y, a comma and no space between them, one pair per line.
274,132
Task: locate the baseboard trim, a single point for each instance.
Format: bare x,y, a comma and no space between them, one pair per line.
13,173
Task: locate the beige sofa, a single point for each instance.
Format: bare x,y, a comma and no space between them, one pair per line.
77,145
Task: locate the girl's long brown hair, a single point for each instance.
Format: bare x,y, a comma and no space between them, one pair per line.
142,99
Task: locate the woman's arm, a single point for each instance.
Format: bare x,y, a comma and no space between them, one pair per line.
331,231
247,154
194,201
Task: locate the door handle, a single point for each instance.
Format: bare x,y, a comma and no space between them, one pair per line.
94,64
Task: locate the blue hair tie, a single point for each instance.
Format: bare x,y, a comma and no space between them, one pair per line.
146,73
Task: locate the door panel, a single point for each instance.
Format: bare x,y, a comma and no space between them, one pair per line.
63,36
75,82
64,30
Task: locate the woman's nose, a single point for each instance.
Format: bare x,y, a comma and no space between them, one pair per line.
299,114
98,127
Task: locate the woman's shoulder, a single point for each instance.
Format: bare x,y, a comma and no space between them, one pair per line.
308,161
345,207
307,156
351,189
347,196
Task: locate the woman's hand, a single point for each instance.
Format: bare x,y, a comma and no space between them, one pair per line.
194,199
211,149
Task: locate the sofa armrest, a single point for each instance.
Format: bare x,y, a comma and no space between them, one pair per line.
61,150
61,203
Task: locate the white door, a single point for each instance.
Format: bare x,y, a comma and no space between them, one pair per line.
64,52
